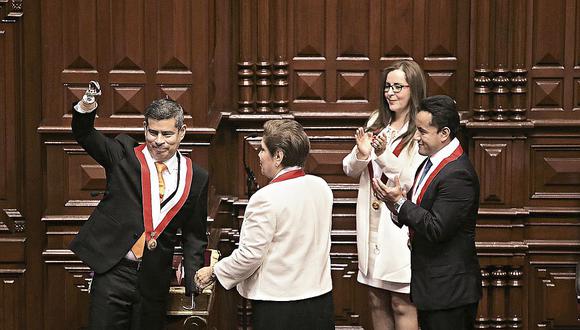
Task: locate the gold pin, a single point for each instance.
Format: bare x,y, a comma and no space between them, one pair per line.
152,244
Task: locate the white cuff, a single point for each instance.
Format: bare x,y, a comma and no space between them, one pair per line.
79,109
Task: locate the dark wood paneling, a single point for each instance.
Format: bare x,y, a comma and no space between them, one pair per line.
512,66
67,285
138,50
11,179
553,56
551,287
12,217
554,171
12,291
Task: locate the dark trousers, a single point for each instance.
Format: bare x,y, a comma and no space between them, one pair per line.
315,313
459,318
117,304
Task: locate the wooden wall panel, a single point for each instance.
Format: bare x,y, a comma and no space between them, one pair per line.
12,221
351,28
553,56
68,285
500,164
512,66
444,25
554,175
309,18
552,283
72,176
358,42
10,108
136,56
12,291
127,25
396,38
549,35
555,170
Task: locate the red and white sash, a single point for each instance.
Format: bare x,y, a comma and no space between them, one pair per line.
152,211
454,155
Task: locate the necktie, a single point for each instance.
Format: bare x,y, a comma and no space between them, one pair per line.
138,247
160,168
426,168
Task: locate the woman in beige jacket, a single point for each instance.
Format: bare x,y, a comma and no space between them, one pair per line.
385,149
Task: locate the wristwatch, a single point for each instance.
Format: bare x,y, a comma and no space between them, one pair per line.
399,204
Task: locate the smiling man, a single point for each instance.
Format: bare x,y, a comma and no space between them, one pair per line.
440,211
152,191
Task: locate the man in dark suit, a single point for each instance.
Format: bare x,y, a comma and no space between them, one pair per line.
440,211
152,191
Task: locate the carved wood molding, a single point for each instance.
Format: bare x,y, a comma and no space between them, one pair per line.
499,57
11,11
262,63
500,306
12,221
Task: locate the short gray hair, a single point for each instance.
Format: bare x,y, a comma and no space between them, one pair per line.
165,109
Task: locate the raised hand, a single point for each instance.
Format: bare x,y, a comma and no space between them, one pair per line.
380,144
363,143
89,100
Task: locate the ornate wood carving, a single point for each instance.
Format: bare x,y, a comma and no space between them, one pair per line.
500,91
13,221
498,302
263,64
246,98
280,87
515,287
482,320
280,54
519,91
500,95
11,11
481,109
263,87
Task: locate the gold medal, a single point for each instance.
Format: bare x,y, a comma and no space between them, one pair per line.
376,205
152,244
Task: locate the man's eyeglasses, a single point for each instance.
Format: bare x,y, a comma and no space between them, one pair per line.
397,88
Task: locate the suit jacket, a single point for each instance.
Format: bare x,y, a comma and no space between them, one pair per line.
117,222
444,265
284,250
